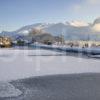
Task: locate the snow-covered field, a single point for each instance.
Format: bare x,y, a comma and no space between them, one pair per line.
17,64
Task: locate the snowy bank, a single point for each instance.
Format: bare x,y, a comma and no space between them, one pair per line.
89,50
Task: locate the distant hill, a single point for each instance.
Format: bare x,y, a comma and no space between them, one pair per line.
75,30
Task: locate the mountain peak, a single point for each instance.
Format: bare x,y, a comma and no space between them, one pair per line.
71,30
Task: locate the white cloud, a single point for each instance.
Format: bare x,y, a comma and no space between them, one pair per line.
86,6
96,27
93,2
79,23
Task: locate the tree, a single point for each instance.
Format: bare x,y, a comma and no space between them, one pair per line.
20,43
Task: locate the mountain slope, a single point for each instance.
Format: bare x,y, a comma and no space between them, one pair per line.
77,30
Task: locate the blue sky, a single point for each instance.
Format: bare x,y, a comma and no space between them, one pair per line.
17,13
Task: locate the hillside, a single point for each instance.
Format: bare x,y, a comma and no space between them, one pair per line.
75,30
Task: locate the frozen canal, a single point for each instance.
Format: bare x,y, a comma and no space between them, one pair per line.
16,64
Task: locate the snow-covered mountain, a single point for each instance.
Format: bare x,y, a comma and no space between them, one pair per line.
71,30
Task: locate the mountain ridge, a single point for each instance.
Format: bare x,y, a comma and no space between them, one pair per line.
77,30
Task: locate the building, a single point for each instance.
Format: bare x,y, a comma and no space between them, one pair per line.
83,43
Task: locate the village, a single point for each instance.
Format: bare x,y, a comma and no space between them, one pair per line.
7,42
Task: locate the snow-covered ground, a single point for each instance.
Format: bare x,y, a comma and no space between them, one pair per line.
17,64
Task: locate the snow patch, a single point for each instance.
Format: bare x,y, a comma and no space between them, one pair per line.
79,23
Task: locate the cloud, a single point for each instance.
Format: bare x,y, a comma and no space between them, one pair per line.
96,27
93,2
79,23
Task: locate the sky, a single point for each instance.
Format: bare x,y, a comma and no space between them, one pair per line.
17,13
